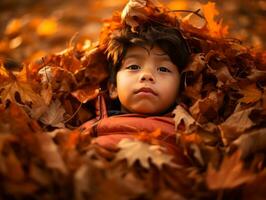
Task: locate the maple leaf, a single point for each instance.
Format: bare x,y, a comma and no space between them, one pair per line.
134,150
215,28
24,89
54,115
230,175
182,116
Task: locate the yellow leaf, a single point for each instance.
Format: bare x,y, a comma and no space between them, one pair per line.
47,27
13,26
216,29
10,89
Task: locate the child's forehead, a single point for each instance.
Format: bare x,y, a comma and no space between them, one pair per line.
142,51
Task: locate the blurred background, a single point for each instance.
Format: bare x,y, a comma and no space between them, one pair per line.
30,29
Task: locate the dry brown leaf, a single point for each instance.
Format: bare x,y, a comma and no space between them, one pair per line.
231,174
251,142
183,118
54,115
136,10
235,125
250,94
134,150
256,74
197,64
50,153
255,190
205,110
14,167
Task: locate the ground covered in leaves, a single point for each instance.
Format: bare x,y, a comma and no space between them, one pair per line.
220,122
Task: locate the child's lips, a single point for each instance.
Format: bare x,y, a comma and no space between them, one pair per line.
146,90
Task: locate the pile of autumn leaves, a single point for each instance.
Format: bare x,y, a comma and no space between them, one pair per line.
220,124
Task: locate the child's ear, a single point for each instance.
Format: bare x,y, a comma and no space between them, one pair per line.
112,91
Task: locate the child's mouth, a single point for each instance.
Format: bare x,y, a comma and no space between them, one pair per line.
146,90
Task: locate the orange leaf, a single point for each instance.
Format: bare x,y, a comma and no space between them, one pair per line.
87,93
216,29
251,94
231,174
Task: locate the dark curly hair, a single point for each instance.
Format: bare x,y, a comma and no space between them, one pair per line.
169,39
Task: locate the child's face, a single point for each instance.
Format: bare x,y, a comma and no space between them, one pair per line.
148,81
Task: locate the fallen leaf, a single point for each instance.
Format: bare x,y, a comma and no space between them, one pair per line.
251,142
23,89
231,174
134,150
87,93
250,94
182,116
54,115
50,153
235,125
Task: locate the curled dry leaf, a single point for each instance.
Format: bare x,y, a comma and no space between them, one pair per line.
205,110
251,94
134,150
133,9
251,142
197,64
184,121
236,124
87,93
136,10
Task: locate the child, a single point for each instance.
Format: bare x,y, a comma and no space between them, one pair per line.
145,80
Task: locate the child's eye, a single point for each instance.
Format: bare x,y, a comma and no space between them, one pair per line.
133,67
163,69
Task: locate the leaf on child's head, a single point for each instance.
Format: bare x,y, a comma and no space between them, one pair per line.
134,150
138,10
216,29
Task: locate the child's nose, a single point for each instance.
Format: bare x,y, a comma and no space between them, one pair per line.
146,76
